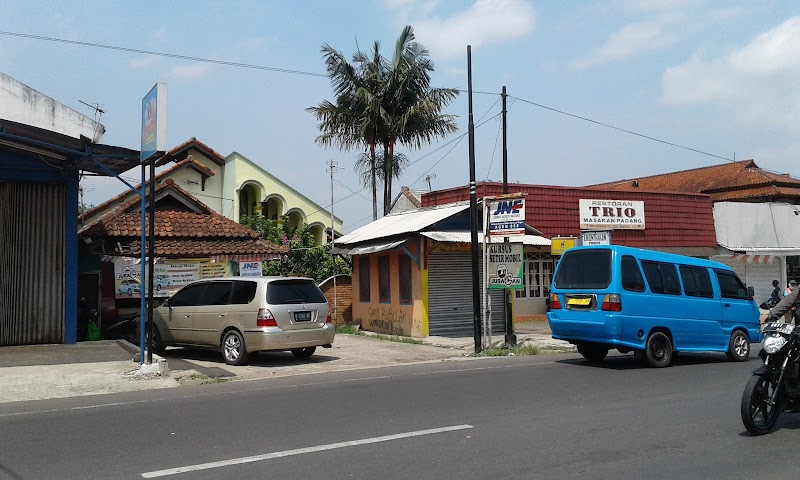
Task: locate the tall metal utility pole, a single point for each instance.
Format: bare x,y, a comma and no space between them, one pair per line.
510,339
332,166
473,214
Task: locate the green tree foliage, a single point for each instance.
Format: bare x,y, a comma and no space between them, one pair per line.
382,101
305,258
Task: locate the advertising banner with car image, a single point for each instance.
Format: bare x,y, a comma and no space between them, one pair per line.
169,275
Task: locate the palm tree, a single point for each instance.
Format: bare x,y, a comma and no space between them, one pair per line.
364,167
382,102
412,109
348,122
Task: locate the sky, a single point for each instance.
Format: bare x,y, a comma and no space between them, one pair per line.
598,90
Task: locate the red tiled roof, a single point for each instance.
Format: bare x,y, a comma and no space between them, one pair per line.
178,152
180,232
727,181
207,248
187,162
671,219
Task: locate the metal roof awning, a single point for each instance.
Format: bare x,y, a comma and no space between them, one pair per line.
758,228
369,248
465,237
404,222
64,151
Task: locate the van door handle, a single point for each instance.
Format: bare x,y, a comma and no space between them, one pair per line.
187,316
726,305
222,315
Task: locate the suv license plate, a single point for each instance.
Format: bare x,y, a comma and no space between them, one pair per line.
302,316
579,301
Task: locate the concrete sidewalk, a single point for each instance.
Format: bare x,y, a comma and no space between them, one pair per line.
37,372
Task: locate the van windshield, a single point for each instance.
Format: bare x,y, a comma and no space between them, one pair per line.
584,269
282,292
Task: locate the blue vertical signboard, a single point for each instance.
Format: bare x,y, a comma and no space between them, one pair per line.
154,121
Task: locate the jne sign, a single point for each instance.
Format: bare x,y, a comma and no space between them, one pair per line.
611,214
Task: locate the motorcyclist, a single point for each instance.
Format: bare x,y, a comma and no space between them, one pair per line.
787,304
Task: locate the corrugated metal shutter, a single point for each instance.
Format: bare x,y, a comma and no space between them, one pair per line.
32,251
756,275
450,297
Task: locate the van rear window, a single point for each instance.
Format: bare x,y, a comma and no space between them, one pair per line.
283,292
584,269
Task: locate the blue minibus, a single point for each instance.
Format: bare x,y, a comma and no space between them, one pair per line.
654,304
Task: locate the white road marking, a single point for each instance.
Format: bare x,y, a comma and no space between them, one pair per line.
300,451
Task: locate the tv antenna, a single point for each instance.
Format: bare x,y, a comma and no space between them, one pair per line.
98,112
428,179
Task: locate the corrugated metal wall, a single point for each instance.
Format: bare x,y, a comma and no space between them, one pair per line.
32,223
450,297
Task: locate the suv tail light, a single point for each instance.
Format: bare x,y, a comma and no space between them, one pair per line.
612,303
265,318
554,303
328,320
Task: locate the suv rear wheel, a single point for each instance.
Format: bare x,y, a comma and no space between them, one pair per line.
304,352
233,348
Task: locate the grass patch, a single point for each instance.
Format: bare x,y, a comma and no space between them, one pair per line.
508,350
355,330
349,329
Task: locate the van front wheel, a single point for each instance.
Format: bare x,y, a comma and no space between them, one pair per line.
658,352
592,352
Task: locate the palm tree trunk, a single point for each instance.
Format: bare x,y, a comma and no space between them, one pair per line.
373,168
387,179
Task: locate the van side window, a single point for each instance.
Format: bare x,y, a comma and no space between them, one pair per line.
730,285
217,293
243,292
696,281
662,277
631,275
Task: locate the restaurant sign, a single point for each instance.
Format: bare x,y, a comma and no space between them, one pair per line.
611,214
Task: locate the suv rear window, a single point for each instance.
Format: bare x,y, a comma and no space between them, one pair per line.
584,269
284,292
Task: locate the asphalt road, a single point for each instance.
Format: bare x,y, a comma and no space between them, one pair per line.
549,416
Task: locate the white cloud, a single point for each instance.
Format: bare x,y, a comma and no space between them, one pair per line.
485,22
759,78
630,40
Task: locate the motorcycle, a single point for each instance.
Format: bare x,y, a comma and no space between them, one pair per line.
774,387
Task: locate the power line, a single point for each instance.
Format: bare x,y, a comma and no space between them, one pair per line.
163,54
619,129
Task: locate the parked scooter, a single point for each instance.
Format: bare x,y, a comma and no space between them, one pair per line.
774,387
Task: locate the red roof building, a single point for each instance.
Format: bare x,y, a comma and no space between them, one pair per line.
679,222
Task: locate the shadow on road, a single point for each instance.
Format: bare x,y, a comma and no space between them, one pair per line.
629,362
180,359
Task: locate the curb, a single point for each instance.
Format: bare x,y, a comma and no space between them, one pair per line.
163,367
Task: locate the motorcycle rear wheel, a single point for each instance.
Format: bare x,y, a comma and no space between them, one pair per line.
758,416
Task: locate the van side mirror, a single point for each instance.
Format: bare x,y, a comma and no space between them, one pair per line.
751,292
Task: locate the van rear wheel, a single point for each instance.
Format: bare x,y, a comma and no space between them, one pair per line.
658,352
738,347
592,351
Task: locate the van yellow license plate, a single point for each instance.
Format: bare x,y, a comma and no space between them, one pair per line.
579,301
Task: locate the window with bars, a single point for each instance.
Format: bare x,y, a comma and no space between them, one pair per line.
538,274
384,285
404,265
363,279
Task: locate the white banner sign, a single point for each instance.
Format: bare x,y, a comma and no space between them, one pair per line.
611,214
250,269
596,238
507,217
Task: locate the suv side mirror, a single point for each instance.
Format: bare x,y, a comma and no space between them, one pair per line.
751,292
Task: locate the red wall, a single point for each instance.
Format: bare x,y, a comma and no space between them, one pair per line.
671,219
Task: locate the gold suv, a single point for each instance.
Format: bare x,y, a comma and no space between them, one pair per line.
242,315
